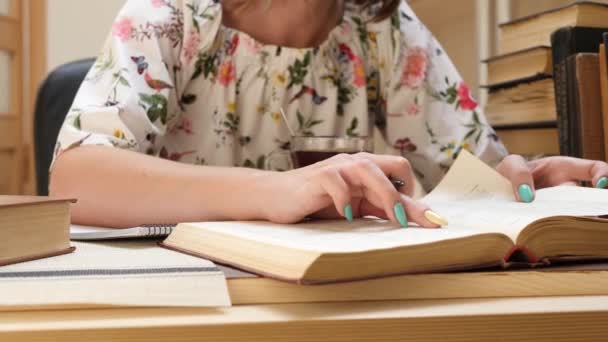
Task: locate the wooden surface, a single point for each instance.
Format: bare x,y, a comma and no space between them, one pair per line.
540,319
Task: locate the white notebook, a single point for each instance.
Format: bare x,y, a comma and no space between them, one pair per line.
121,273
84,233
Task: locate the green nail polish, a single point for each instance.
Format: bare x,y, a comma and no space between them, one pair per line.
400,214
525,193
348,213
602,183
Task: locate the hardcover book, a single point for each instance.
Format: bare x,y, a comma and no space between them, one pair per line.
487,228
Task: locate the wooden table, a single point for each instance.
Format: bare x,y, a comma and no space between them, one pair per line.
583,318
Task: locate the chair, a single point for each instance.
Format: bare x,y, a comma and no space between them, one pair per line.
54,100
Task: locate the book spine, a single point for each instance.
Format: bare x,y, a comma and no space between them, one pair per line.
573,107
604,90
560,50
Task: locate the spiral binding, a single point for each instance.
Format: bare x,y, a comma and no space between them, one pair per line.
159,229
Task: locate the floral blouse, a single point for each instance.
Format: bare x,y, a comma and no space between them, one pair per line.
174,82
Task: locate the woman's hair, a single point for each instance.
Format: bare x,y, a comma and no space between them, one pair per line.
385,10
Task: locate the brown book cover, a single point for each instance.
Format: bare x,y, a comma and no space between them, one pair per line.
33,228
552,10
530,141
586,110
537,29
519,67
604,90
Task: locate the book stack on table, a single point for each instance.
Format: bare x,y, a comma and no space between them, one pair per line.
479,254
544,87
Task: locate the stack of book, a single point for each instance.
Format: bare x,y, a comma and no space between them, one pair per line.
544,87
261,262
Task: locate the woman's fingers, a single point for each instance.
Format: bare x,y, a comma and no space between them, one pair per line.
364,179
554,171
336,187
395,167
417,213
377,188
516,169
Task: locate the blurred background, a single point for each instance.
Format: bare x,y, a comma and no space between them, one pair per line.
36,36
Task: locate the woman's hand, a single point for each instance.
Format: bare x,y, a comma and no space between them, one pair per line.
347,186
551,171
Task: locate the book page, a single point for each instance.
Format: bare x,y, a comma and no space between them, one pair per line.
475,196
335,236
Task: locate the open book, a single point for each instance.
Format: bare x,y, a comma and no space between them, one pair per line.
487,228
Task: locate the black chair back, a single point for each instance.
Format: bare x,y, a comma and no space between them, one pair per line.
54,100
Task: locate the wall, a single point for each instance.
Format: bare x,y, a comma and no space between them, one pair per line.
453,24
77,29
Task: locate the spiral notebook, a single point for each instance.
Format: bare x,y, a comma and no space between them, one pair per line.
87,233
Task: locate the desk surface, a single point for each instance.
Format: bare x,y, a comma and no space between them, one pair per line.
548,318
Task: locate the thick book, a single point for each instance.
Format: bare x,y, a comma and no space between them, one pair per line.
524,105
566,42
530,142
560,280
33,228
585,106
120,273
604,90
536,29
148,231
521,66
488,227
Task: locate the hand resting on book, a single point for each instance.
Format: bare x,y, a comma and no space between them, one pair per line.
547,172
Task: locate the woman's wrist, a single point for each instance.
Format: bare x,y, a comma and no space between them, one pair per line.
235,193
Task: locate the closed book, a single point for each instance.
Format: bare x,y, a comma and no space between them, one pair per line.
566,42
585,106
536,29
523,105
554,228
520,66
33,228
604,90
560,280
530,142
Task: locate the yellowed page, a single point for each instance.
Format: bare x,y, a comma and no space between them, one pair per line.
474,196
334,236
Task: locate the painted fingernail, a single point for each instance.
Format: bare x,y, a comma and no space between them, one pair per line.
435,218
400,214
525,193
348,213
602,183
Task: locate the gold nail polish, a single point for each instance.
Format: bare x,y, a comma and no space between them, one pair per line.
435,218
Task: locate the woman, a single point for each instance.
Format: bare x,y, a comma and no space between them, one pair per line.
201,84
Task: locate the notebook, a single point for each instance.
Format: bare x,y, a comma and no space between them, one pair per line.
487,228
84,233
118,273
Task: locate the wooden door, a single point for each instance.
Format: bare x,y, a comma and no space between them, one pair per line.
11,88
22,69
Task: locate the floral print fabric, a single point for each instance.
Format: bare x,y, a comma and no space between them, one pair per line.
174,82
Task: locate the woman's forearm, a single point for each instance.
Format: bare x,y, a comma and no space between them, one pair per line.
118,188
